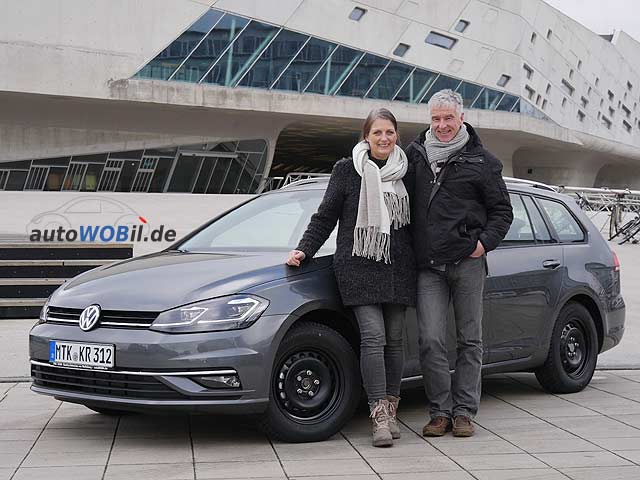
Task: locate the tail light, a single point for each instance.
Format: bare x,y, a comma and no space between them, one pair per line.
616,262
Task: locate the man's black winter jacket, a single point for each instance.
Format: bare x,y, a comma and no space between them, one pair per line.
466,203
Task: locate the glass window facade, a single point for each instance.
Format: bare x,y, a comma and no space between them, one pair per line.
234,51
305,64
232,65
390,81
362,77
230,167
416,86
171,57
211,48
334,71
274,60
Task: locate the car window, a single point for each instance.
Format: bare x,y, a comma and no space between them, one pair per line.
564,224
84,206
275,221
539,227
109,207
520,232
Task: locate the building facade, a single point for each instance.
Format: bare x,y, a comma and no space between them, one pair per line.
165,96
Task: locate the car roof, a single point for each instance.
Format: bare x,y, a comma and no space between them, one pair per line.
513,185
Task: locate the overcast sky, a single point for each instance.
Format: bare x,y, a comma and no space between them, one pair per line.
603,16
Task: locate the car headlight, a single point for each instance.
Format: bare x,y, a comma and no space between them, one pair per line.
225,313
44,311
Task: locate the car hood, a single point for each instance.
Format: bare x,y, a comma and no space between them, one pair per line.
166,280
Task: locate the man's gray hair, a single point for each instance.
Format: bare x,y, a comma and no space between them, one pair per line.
446,98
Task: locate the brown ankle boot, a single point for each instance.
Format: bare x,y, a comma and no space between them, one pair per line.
380,424
437,427
394,428
462,426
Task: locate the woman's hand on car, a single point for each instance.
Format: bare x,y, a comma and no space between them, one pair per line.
295,257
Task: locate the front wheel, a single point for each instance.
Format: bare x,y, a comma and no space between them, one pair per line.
573,352
315,385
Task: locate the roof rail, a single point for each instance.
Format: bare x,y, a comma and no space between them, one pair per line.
300,178
531,183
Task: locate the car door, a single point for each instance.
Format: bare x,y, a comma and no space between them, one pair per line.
525,274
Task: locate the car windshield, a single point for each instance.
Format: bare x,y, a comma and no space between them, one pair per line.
269,222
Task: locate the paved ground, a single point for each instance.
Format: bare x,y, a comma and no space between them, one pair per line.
522,433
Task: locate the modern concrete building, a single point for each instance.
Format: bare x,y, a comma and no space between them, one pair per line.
215,96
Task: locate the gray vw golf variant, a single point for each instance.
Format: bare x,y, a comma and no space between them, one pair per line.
217,323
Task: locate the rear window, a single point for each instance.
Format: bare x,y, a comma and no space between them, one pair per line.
563,222
520,231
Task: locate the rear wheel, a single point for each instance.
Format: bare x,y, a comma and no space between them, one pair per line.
573,351
315,385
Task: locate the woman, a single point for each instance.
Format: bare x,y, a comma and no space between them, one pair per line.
373,262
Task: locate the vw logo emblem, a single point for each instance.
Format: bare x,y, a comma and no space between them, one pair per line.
89,317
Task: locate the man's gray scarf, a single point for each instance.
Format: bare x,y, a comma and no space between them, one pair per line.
438,152
383,203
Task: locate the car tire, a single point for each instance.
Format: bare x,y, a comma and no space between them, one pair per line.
111,412
315,385
573,351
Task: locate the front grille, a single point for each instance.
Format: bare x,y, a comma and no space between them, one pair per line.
111,384
108,318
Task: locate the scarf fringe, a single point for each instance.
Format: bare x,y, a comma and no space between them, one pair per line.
399,209
370,242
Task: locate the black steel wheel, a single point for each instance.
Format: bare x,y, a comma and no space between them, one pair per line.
573,351
315,385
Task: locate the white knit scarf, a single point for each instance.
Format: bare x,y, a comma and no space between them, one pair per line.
439,152
383,203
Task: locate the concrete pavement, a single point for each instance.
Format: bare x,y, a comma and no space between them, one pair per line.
522,433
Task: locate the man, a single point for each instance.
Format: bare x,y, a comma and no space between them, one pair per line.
460,211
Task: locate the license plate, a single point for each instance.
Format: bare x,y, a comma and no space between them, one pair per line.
86,355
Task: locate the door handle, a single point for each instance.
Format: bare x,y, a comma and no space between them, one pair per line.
551,264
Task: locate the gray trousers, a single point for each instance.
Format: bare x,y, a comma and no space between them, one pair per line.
381,348
461,284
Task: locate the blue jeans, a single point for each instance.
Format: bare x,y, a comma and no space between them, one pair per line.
381,348
461,284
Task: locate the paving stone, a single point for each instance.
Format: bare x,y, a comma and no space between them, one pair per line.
457,475
473,446
6,473
20,435
603,473
151,450
23,419
631,455
581,459
11,459
412,464
345,467
72,445
596,427
519,474
618,444
399,449
15,446
550,445
66,473
335,448
177,471
239,470
500,461
231,450
67,459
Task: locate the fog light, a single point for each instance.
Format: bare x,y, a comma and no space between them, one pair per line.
219,381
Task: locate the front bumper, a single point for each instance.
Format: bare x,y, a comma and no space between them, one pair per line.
156,370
